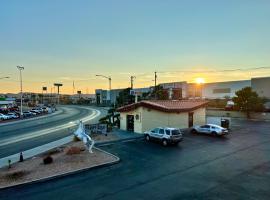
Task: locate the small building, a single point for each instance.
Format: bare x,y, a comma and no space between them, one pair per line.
145,115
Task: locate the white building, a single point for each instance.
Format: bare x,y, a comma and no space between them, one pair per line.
220,90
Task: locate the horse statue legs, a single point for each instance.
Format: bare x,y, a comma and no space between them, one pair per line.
82,135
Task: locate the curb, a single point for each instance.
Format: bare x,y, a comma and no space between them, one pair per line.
68,173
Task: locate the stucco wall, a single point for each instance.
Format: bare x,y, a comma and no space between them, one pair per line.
137,122
152,119
199,117
149,119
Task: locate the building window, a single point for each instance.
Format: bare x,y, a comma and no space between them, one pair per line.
222,90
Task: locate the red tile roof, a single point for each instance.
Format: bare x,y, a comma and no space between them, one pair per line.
166,105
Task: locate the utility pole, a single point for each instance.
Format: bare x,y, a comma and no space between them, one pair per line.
155,85
132,81
73,86
20,69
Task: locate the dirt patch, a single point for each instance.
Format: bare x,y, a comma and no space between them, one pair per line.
103,137
34,168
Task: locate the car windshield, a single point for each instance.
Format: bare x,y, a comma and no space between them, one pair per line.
175,132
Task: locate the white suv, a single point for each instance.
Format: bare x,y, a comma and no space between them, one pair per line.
165,135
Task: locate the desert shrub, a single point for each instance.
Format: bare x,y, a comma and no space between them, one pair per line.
76,139
47,160
16,175
54,151
73,150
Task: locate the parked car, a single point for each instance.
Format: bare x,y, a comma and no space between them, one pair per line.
36,111
28,114
44,109
210,129
3,117
165,135
33,113
12,115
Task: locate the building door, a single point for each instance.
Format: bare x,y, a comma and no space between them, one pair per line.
130,123
190,119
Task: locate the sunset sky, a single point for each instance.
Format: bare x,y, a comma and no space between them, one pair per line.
72,40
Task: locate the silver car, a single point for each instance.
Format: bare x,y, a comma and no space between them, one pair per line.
165,135
210,129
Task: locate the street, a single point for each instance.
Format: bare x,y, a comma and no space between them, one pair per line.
200,167
25,135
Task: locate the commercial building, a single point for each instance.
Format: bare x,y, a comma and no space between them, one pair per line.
145,115
184,90
7,101
107,97
176,90
261,86
218,90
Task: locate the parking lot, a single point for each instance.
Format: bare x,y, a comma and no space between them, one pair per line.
200,167
14,113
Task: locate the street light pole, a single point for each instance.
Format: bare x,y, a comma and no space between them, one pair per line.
20,69
110,83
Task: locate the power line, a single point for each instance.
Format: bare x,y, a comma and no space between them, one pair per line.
215,71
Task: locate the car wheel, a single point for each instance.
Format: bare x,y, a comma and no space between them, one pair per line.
164,143
214,133
193,131
147,137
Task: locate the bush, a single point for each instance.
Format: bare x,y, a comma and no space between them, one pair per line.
76,139
54,151
47,160
73,150
16,175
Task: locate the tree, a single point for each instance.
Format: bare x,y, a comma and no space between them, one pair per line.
247,100
124,98
159,93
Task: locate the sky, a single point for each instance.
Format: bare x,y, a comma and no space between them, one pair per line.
73,40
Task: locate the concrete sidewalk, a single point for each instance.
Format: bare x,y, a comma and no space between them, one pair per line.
122,135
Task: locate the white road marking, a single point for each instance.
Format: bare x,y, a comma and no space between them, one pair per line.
34,134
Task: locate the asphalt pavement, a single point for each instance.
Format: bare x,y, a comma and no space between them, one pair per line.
200,167
28,134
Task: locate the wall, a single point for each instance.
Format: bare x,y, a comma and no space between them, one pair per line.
209,88
137,123
236,114
199,117
261,86
150,119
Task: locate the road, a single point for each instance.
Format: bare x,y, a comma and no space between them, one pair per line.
200,167
28,134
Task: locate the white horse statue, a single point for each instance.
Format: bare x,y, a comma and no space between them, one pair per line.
81,134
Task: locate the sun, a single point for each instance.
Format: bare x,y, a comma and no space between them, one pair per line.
200,80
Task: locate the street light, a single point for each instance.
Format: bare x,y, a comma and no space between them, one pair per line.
107,77
110,83
58,85
20,69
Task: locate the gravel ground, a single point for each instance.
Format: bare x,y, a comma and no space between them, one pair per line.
34,169
103,137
